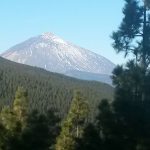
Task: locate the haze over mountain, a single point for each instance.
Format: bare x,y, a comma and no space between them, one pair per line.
52,53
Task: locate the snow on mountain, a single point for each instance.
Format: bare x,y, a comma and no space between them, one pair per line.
52,53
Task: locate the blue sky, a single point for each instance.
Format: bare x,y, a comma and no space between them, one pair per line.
87,23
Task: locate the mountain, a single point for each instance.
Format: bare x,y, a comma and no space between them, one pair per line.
52,53
46,89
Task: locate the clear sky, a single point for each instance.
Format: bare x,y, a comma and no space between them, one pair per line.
87,23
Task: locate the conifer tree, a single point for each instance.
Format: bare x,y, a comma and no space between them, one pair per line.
73,125
133,35
131,103
90,139
13,119
15,115
8,118
3,137
20,105
40,131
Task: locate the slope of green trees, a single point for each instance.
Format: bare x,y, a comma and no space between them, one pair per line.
47,90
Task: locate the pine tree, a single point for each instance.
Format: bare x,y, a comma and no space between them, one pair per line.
40,131
131,103
3,137
73,125
8,118
134,32
20,105
90,139
13,119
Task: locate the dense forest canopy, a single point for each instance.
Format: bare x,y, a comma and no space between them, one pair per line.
47,90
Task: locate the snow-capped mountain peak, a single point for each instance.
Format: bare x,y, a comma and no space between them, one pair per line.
51,37
52,53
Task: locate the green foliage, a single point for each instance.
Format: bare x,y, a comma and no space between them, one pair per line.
47,90
124,123
129,28
73,125
78,112
3,137
90,139
11,117
40,132
132,105
13,120
20,129
133,34
20,105
8,118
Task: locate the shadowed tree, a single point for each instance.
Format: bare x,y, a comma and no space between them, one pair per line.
131,103
90,139
40,131
133,35
3,137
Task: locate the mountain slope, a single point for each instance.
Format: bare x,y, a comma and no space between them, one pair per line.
54,54
47,89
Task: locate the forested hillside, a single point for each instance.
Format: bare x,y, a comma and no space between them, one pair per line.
47,90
